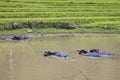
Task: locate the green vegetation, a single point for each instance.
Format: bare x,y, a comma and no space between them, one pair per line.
89,16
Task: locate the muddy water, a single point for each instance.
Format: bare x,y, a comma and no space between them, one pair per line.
24,60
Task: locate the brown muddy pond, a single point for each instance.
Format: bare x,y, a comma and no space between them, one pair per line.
24,60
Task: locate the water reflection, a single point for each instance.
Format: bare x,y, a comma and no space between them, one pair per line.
52,37
11,64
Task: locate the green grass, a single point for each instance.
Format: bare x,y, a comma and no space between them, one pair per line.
84,13
54,30
57,14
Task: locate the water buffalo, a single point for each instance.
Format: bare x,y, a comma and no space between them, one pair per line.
94,50
94,53
19,37
58,54
82,52
49,53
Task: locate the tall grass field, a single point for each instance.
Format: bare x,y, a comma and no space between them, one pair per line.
87,15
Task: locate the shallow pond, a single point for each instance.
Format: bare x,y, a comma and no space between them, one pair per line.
24,60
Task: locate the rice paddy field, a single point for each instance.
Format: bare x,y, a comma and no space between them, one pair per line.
99,15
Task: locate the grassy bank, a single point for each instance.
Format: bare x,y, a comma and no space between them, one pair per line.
55,31
88,16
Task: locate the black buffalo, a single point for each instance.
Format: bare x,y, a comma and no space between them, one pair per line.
58,54
95,53
19,37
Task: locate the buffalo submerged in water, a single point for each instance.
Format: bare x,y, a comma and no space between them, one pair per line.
19,37
58,54
94,53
